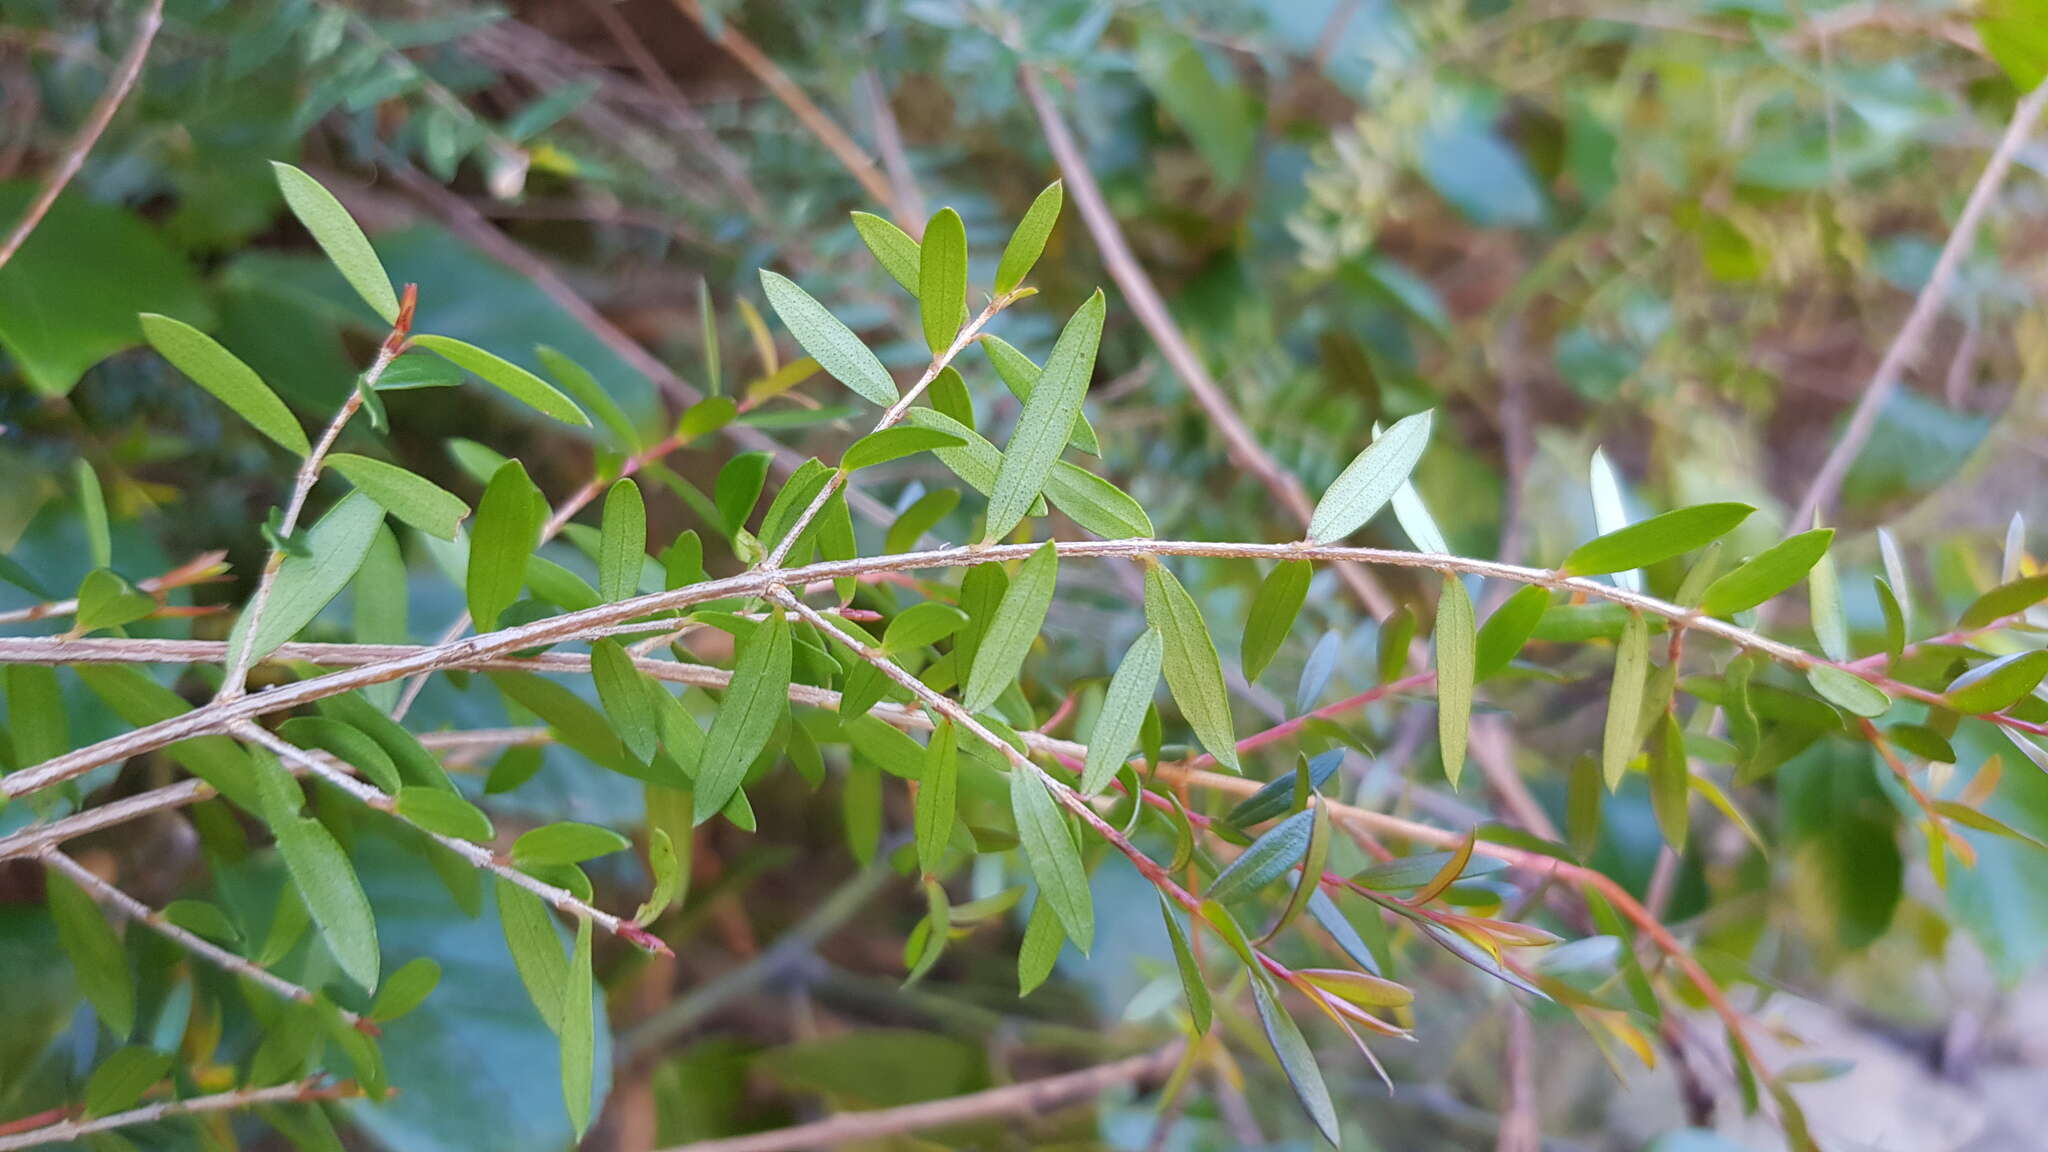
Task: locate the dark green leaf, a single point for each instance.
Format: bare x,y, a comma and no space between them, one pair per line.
1997,684
327,882
938,796
97,958
894,444
623,545
1273,613
1297,1059
444,812
1311,869
1656,539
753,706
507,528
1123,711
1268,858
121,1079
1502,636
1013,628
1273,798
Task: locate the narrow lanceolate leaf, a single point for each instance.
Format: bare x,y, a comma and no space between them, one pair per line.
622,543
97,959
1824,605
232,382
1297,1059
938,796
893,248
579,1032
1989,687
1027,243
35,713
1272,614
942,279
1848,690
667,866
1774,570
340,237
1510,627
1047,419
1610,514
1194,673
1669,779
1095,504
1275,796
1625,699
121,1079
2005,600
894,444
591,396
1012,630
746,719
1043,939
628,698
1311,870
1020,374
1054,857
1123,711
1191,983
506,376
1370,480
1456,672
444,812
1658,538
568,842
832,344
327,882
412,498
507,527
1453,866
1895,574
335,548
1269,857
536,951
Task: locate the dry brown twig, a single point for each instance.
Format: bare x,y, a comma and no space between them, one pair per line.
68,1130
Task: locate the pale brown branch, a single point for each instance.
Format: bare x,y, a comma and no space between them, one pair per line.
96,121
66,1131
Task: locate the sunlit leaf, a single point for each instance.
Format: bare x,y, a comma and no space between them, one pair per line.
1776,569
1659,538
1456,671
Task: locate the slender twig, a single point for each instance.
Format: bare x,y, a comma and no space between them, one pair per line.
201,569
96,121
297,1092
1243,448
1030,1098
1912,335
156,921
908,202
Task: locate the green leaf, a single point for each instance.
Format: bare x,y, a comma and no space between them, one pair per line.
628,698
438,810
1997,684
1043,939
327,882
1669,779
1502,636
938,796
506,530
335,547
1276,795
568,842
107,601
1027,243
1370,480
1297,1060
406,989
738,489
1272,615
942,279
669,878
1123,711
2007,599
121,1079
894,444
1766,574
623,542
1311,869
1426,869
35,714
1659,538
1047,420
1848,690
2015,32
92,509
1625,700
832,344
1095,504
1824,605
1013,629
347,743
1191,984
1054,857
705,417
1194,674
97,958
337,234
589,395
1020,374
131,695
1268,858
536,952
1456,672
508,377
221,373
412,498
922,624
754,704
892,246
579,1032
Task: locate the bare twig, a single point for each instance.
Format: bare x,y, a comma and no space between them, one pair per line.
908,203
95,125
1919,324
1521,1126
66,1131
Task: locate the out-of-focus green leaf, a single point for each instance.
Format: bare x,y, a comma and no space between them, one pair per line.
1625,700
1191,984
121,1079
1456,672
1848,690
406,989
96,955
1997,684
444,812
1043,940
2005,600
2015,32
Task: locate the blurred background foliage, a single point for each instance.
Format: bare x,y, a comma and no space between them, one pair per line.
1684,230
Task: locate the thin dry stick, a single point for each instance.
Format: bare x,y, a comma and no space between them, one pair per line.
66,1131
1912,337
909,199
792,96
89,134
206,950
1030,1098
1243,448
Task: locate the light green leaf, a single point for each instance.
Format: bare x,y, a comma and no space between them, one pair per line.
107,601
667,865
1019,374
2007,599
1610,513
1273,613
1194,674
1625,699
349,744
380,605
628,698
1990,687
1510,627
937,796
1659,538
1054,857
832,344
121,1079
1013,629
327,882
92,509
568,842
438,810
892,246
579,1032
412,498
1043,939
2015,32
1047,420
894,444
1824,604
942,279
508,377
1848,690
1269,857
339,236
35,714
754,703
406,989
1027,243
536,952
336,547
221,373
1456,672
1123,711
623,542
1095,504
1766,574
1370,480
507,528
1298,1060
1191,983
591,396
922,624
97,958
